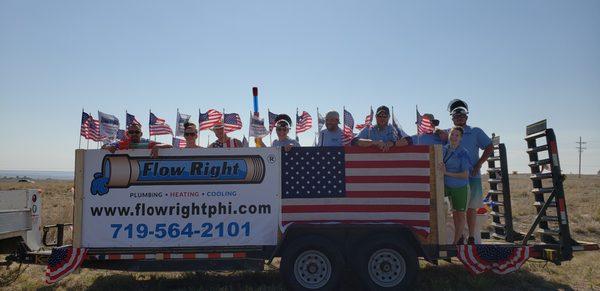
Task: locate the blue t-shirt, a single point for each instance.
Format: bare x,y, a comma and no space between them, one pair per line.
282,143
375,133
473,140
426,139
330,138
456,161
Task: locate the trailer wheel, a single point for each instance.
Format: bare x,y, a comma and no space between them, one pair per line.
387,263
312,263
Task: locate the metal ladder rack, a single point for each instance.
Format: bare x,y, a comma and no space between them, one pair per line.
499,197
551,223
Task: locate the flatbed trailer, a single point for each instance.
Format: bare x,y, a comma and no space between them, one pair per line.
390,213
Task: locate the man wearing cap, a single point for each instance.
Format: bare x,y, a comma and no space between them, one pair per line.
223,141
429,137
382,135
331,135
134,141
474,139
283,123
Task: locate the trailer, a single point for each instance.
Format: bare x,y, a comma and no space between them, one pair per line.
322,210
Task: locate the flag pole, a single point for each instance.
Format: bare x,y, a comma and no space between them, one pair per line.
198,128
318,127
343,124
82,111
296,124
270,131
249,127
417,124
223,121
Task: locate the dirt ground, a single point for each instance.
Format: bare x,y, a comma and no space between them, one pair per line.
581,273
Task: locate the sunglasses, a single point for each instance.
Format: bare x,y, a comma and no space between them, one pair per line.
457,116
134,132
383,116
281,128
189,133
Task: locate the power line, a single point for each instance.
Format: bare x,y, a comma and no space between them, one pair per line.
580,148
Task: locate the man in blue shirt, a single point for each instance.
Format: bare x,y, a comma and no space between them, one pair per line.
331,136
474,139
429,138
382,135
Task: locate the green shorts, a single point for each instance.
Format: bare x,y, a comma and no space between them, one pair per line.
458,197
476,193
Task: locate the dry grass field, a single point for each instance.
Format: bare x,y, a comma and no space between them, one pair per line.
582,273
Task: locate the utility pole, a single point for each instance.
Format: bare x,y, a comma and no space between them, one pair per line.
580,148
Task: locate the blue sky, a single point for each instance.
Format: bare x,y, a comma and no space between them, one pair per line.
514,62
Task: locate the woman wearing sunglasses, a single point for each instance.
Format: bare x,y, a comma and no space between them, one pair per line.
190,133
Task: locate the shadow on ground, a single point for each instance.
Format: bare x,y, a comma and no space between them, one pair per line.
445,277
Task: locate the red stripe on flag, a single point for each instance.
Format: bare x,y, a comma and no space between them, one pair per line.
405,149
423,223
387,194
139,256
353,208
387,179
387,164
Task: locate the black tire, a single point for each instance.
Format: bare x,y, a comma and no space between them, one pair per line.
387,263
311,263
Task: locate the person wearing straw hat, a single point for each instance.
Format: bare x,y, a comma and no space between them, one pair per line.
224,141
283,123
331,135
382,135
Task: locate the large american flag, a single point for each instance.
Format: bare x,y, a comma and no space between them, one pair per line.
90,127
368,121
158,126
272,117
348,133
208,119
130,119
303,122
63,260
424,125
232,122
357,185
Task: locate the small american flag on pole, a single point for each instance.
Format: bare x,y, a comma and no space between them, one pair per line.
303,122
90,127
496,258
130,119
320,120
232,122
348,134
158,126
63,260
209,119
272,117
368,121
424,125
178,143
357,185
